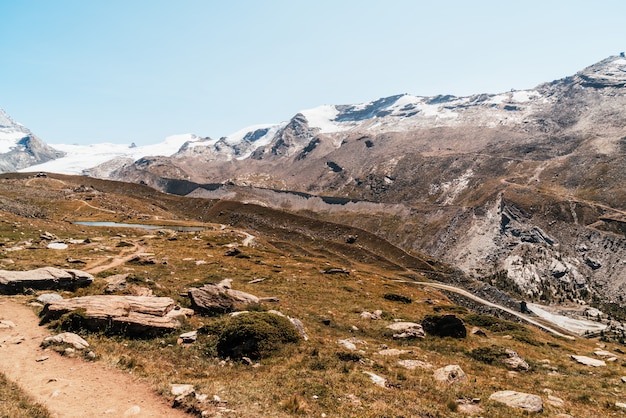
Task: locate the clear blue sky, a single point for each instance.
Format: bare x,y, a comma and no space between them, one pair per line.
83,71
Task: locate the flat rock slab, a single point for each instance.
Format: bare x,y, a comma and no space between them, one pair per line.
520,400
130,315
45,278
588,361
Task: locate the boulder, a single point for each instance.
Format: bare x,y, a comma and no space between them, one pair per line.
406,330
450,374
44,278
220,298
131,315
444,326
520,400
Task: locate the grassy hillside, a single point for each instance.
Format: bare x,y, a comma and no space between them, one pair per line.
288,260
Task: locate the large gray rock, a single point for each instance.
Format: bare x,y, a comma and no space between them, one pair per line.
220,298
130,315
520,400
44,278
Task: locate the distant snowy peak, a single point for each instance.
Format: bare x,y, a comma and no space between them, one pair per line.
11,133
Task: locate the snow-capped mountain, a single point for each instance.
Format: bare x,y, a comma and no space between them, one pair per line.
19,148
524,188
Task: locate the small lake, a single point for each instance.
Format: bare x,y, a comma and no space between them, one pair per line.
177,228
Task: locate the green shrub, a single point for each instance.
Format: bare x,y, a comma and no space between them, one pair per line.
492,323
488,355
397,298
255,335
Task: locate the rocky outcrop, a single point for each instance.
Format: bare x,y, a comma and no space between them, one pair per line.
137,316
220,298
406,330
45,278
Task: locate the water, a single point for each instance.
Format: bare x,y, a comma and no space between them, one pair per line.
177,228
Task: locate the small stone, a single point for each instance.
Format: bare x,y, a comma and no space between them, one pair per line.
414,364
68,338
49,297
478,332
40,359
90,355
347,345
132,411
450,374
392,352
623,379
181,389
620,405
5,324
189,337
554,401
520,400
603,353
377,380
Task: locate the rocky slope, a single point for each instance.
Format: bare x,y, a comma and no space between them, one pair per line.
19,148
524,189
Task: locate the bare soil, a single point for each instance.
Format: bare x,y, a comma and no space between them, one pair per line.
70,387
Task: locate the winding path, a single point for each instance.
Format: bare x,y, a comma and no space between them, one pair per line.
485,302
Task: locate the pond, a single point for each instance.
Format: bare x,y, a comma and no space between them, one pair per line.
177,228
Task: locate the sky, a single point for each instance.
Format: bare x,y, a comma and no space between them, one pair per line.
80,72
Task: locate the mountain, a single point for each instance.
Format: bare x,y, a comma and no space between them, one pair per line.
19,148
523,189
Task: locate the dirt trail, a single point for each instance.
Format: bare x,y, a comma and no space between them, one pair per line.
70,387
118,260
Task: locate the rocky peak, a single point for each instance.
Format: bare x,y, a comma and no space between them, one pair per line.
610,72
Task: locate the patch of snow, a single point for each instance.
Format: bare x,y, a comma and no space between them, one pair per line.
577,326
323,117
523,96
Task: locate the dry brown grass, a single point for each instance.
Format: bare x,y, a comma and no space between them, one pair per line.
14,403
